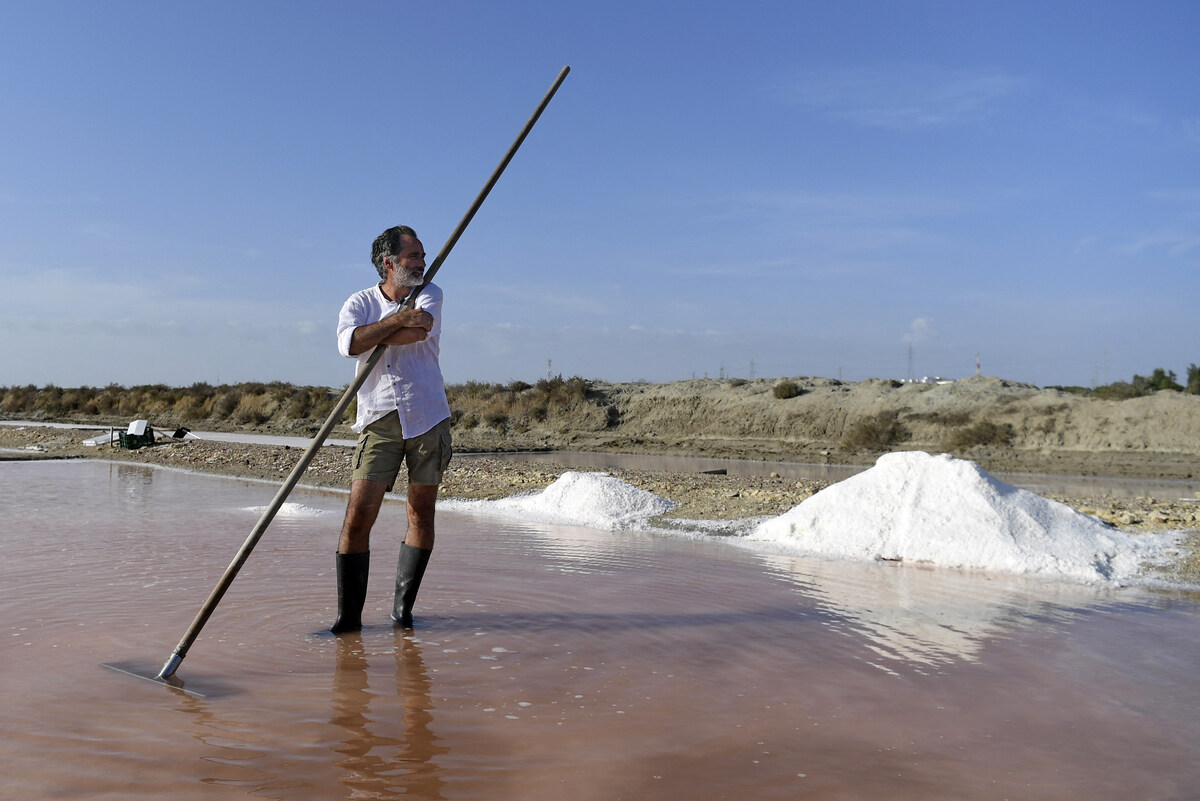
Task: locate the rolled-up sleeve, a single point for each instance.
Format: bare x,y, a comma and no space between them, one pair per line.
353,315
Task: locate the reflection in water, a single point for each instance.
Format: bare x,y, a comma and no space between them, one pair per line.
926,616
134,482
234,752
373,764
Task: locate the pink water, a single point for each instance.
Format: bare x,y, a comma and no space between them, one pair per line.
556,662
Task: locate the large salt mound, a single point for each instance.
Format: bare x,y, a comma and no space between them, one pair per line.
596,500
939,510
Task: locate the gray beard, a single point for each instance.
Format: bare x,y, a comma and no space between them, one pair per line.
407,278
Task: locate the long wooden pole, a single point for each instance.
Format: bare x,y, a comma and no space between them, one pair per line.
214,598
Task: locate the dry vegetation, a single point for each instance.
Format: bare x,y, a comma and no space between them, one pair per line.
478,409
251,404
520,407
1000,424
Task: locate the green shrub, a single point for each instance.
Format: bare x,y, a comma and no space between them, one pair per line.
1120,390
225,404
787,389
878,432
299,404
983,433
1160,379
956,418
561,393
497,419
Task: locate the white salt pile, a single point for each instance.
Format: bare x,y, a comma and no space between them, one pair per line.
596,500
291,510
949,512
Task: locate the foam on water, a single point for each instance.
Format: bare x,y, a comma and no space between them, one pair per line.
291,510
596,500
949,512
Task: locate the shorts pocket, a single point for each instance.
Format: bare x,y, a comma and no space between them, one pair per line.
445,450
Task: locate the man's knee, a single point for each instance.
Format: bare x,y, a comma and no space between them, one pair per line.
422,500
366,497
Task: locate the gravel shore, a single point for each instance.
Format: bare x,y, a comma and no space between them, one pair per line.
697,496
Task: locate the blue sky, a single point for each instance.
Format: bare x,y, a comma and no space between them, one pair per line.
188,192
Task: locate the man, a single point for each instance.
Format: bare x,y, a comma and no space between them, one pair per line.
403,416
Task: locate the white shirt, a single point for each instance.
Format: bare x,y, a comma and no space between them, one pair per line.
408,378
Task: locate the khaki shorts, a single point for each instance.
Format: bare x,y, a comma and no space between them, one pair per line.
382,448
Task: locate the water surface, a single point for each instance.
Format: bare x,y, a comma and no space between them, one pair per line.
556,662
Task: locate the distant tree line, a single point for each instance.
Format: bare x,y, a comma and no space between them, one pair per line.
248,403
1159,380
515,405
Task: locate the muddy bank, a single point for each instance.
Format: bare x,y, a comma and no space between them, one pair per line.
698,496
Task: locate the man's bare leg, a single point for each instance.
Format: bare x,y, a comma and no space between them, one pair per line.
421,504
366,497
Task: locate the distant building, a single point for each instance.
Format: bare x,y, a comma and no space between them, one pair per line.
930,379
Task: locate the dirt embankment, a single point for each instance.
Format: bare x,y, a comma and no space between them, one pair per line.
1002,425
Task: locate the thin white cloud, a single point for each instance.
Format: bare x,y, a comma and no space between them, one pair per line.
921,330
825,230
843,205
903,98
1173,243
1188,200
598,302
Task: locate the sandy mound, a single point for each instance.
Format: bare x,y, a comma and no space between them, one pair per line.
1001,424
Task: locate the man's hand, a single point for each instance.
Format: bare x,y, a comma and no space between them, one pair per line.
414,318
401,328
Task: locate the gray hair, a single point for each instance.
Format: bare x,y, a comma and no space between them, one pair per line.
388,244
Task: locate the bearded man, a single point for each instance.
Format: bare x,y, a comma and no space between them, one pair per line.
403,418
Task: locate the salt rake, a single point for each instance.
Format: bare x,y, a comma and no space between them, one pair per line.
167,674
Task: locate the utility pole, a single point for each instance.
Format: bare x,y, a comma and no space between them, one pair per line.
978,365
910,362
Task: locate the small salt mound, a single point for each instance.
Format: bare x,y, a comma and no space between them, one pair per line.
596,500
949,512
291,510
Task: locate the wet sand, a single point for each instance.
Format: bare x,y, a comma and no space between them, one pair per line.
554,662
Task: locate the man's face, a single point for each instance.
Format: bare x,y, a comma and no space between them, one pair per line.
406,268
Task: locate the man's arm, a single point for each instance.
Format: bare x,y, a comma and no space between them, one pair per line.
401,328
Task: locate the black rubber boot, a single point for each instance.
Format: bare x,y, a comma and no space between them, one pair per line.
409,571
352,570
